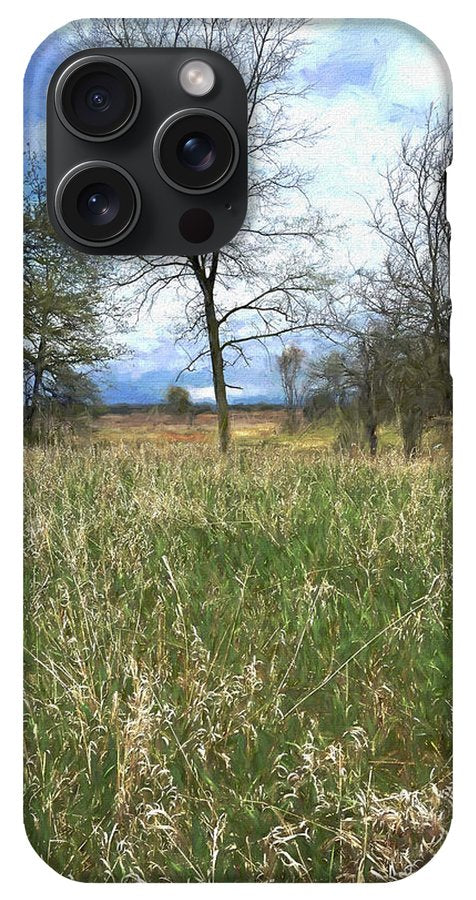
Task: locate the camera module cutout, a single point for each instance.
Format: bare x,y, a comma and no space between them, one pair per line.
147,151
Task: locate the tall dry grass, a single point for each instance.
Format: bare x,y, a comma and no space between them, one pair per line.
236,670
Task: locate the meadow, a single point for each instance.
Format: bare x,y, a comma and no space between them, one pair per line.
265,427
237,669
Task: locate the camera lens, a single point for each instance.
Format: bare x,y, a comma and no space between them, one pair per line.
196,150
97,98
97,204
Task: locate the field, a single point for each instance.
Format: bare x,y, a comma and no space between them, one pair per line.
249,426
236,669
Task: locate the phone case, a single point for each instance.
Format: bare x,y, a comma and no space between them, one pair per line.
238,488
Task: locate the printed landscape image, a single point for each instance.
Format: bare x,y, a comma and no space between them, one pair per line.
238,489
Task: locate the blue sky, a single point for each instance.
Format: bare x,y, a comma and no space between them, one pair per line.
369,81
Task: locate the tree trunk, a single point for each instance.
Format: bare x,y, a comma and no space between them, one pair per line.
292,419
368,393
32,408
412,430
207,283
218,375
373,440
445,379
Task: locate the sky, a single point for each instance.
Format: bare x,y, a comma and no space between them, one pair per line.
369,82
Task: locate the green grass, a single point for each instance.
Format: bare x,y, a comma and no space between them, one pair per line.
236,670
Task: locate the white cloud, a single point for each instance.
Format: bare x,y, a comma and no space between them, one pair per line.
203,394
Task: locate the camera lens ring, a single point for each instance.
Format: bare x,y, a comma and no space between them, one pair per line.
98,170
195,113
75,68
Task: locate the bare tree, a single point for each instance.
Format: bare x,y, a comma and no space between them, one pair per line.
291,365
410,294
269,281
394,336
356,375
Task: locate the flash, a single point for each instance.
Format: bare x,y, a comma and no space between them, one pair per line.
197,77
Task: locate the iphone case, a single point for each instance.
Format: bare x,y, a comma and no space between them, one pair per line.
238,487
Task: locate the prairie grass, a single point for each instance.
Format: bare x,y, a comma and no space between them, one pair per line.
236,670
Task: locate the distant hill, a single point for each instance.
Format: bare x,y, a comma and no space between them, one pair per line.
125,409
